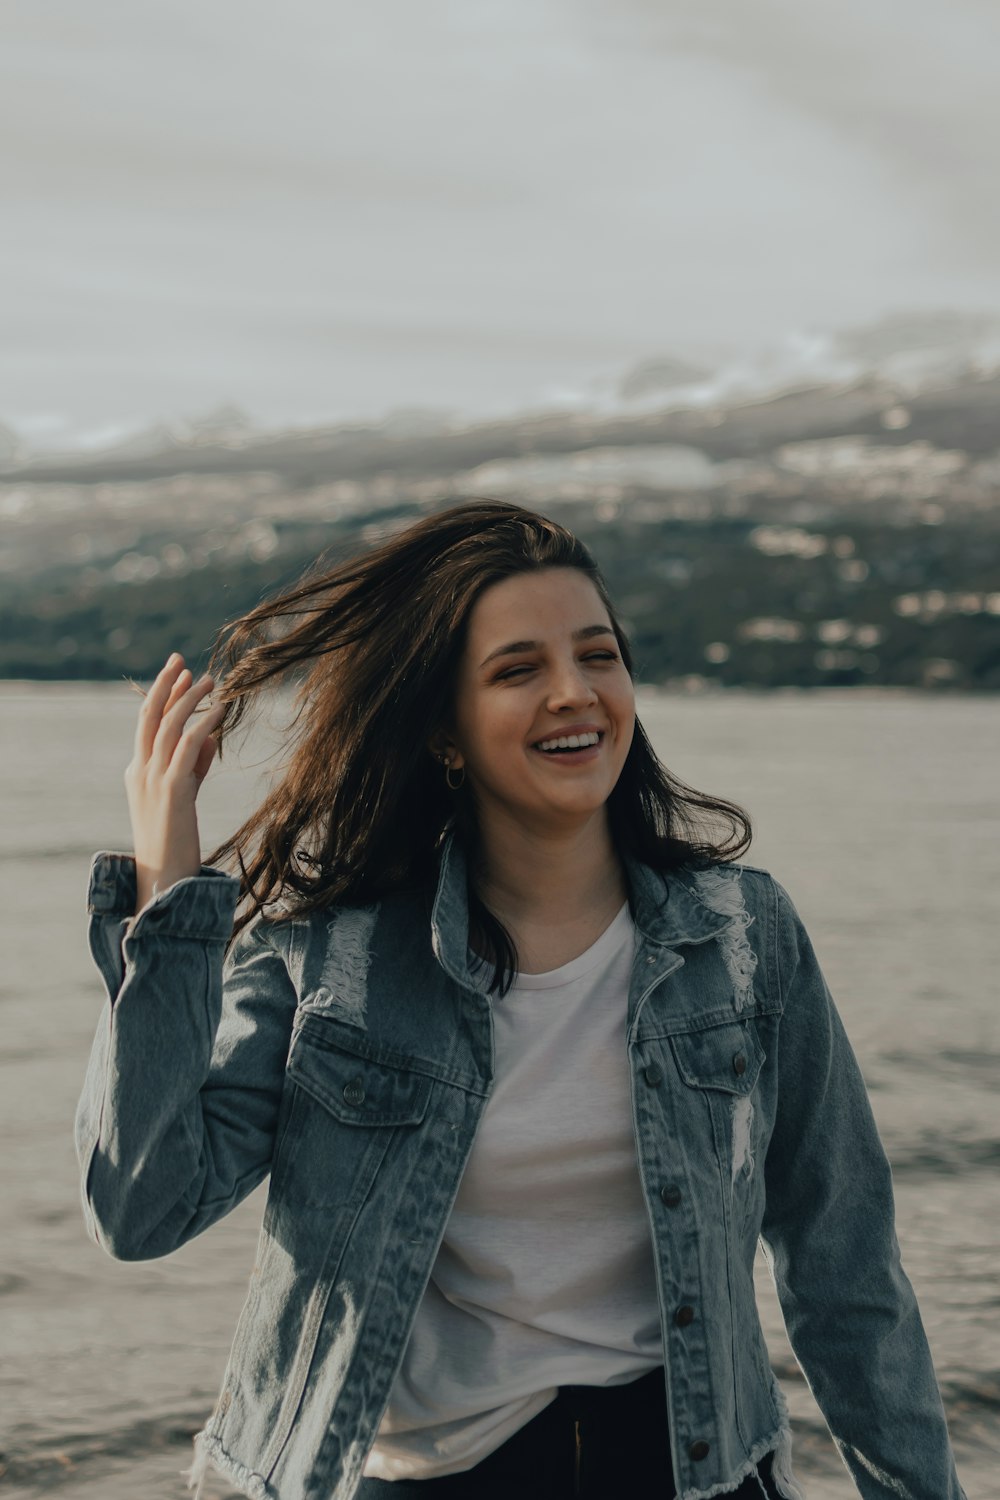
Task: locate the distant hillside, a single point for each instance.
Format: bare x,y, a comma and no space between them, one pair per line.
838,534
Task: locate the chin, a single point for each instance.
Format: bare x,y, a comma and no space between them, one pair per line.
573,807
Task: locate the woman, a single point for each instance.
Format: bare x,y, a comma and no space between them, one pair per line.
530,1060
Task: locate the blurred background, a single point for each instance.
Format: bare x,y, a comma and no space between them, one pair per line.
717,286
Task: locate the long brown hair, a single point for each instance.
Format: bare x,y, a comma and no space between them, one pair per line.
362,806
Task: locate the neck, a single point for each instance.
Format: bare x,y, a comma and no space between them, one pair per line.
531,879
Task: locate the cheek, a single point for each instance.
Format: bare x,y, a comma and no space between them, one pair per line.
505,743
624,711
488,737
630,717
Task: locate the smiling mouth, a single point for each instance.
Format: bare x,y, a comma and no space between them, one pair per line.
568,744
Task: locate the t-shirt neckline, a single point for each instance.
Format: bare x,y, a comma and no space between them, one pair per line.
611,940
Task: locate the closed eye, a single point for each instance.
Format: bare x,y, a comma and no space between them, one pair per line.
523,667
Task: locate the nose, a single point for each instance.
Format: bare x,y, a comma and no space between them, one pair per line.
570,689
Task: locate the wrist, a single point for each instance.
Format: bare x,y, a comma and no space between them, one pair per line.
150,884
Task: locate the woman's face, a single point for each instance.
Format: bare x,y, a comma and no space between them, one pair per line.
541,665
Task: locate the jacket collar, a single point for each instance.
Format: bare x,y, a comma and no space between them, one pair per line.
450,919
666,909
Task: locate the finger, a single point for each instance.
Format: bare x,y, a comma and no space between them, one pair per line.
205,757
173,722
197,745
154,704
184,681
181,684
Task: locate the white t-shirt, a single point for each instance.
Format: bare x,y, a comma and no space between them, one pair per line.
545,1276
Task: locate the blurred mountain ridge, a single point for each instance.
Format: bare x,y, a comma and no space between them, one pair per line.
836,530
909,350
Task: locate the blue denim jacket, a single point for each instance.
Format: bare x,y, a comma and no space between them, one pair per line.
350,1055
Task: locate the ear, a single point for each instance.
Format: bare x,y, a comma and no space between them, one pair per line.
444,749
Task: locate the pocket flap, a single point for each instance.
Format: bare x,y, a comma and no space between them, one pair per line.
358,1090
721,1057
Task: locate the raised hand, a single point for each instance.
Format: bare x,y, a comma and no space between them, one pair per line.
174,748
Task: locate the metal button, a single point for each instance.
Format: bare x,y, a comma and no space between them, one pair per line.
683,1316
354,1092
653,1076
739,1064
651,959
670,1195
698,1450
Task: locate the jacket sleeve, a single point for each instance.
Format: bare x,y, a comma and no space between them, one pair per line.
829,1236
177,1119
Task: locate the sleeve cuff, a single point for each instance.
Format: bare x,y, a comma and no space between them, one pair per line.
199,906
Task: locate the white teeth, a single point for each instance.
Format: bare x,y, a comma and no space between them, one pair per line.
570,742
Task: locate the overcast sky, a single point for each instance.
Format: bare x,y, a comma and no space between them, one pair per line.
319,209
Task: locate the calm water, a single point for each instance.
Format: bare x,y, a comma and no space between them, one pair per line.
878,813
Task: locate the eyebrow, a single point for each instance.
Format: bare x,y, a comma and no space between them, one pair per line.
515,648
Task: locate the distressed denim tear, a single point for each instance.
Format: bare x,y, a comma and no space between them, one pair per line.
742,1127
344,976
721,891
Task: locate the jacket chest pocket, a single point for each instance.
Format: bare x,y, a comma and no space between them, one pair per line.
722,1063
348,1111
726,1058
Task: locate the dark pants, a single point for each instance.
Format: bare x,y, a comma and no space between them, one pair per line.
594,1442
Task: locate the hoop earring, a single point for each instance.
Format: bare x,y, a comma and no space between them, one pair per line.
453,786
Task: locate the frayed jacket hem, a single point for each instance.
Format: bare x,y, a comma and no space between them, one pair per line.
780,1444
209,1450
